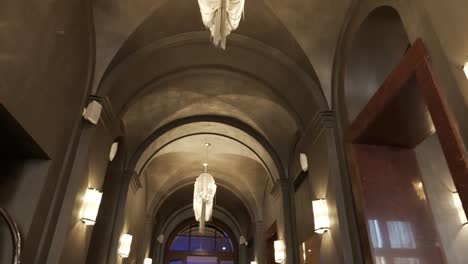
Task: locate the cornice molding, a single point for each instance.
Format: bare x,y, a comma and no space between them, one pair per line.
322,120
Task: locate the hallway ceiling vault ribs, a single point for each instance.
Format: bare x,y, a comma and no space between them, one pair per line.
174,91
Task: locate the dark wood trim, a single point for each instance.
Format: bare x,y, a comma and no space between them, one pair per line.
415,64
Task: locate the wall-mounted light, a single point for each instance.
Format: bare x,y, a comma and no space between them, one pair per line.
465,69
148,261
459,206
253,262
303,161
91,203
125,245
113,151
160,238
280,251
243,241
321,219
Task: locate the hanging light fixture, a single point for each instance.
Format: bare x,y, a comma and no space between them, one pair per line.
203,194
221,17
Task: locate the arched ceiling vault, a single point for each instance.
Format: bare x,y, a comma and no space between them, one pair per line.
168,163
156,65
227,199
306,31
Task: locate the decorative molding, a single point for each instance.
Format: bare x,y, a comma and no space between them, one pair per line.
135,182
281,186
320,121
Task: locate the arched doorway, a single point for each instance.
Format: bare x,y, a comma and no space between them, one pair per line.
187,245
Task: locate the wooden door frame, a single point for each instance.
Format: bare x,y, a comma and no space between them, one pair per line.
415,64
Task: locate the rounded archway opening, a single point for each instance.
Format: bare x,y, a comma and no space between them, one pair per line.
377,47
187,245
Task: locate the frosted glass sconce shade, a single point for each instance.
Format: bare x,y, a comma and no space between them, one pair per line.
280,251
91,203
125,245
321,219
465,69
148,261
113,151
459,206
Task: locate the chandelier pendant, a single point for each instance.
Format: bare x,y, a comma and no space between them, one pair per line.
221,17
203,196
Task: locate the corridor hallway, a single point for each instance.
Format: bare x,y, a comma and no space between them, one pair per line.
318,132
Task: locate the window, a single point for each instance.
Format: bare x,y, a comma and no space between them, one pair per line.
401,235
212,239
376,235
190,246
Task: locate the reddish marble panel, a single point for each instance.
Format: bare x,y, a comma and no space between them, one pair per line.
399,222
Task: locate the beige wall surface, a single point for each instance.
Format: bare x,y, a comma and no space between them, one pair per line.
45,56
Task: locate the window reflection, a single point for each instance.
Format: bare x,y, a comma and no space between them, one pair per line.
401,235
376,235
406,261
380,260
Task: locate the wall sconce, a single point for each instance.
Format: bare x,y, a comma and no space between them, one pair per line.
321,219
253,262
303,161
148,261
459,206
280,251
243,241
465,69
91,203
125,245
113,151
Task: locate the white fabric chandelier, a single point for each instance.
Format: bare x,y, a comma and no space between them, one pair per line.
221,17
203,195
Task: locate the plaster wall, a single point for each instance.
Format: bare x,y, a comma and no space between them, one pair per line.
134,222
74,245
45,92
320,183
272,212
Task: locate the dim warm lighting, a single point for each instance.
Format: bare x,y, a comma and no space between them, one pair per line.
113,151
125,245
459,206
303,161
148,261
304,255
321,219
280,251
91,203
203,194
465,69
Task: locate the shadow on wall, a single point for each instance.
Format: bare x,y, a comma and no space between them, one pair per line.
377,47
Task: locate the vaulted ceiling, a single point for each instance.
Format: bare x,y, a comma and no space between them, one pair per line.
175,91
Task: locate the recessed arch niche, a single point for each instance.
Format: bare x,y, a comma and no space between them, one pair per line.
377,47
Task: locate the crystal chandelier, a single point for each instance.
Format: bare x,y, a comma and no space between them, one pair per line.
203,195
221,17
